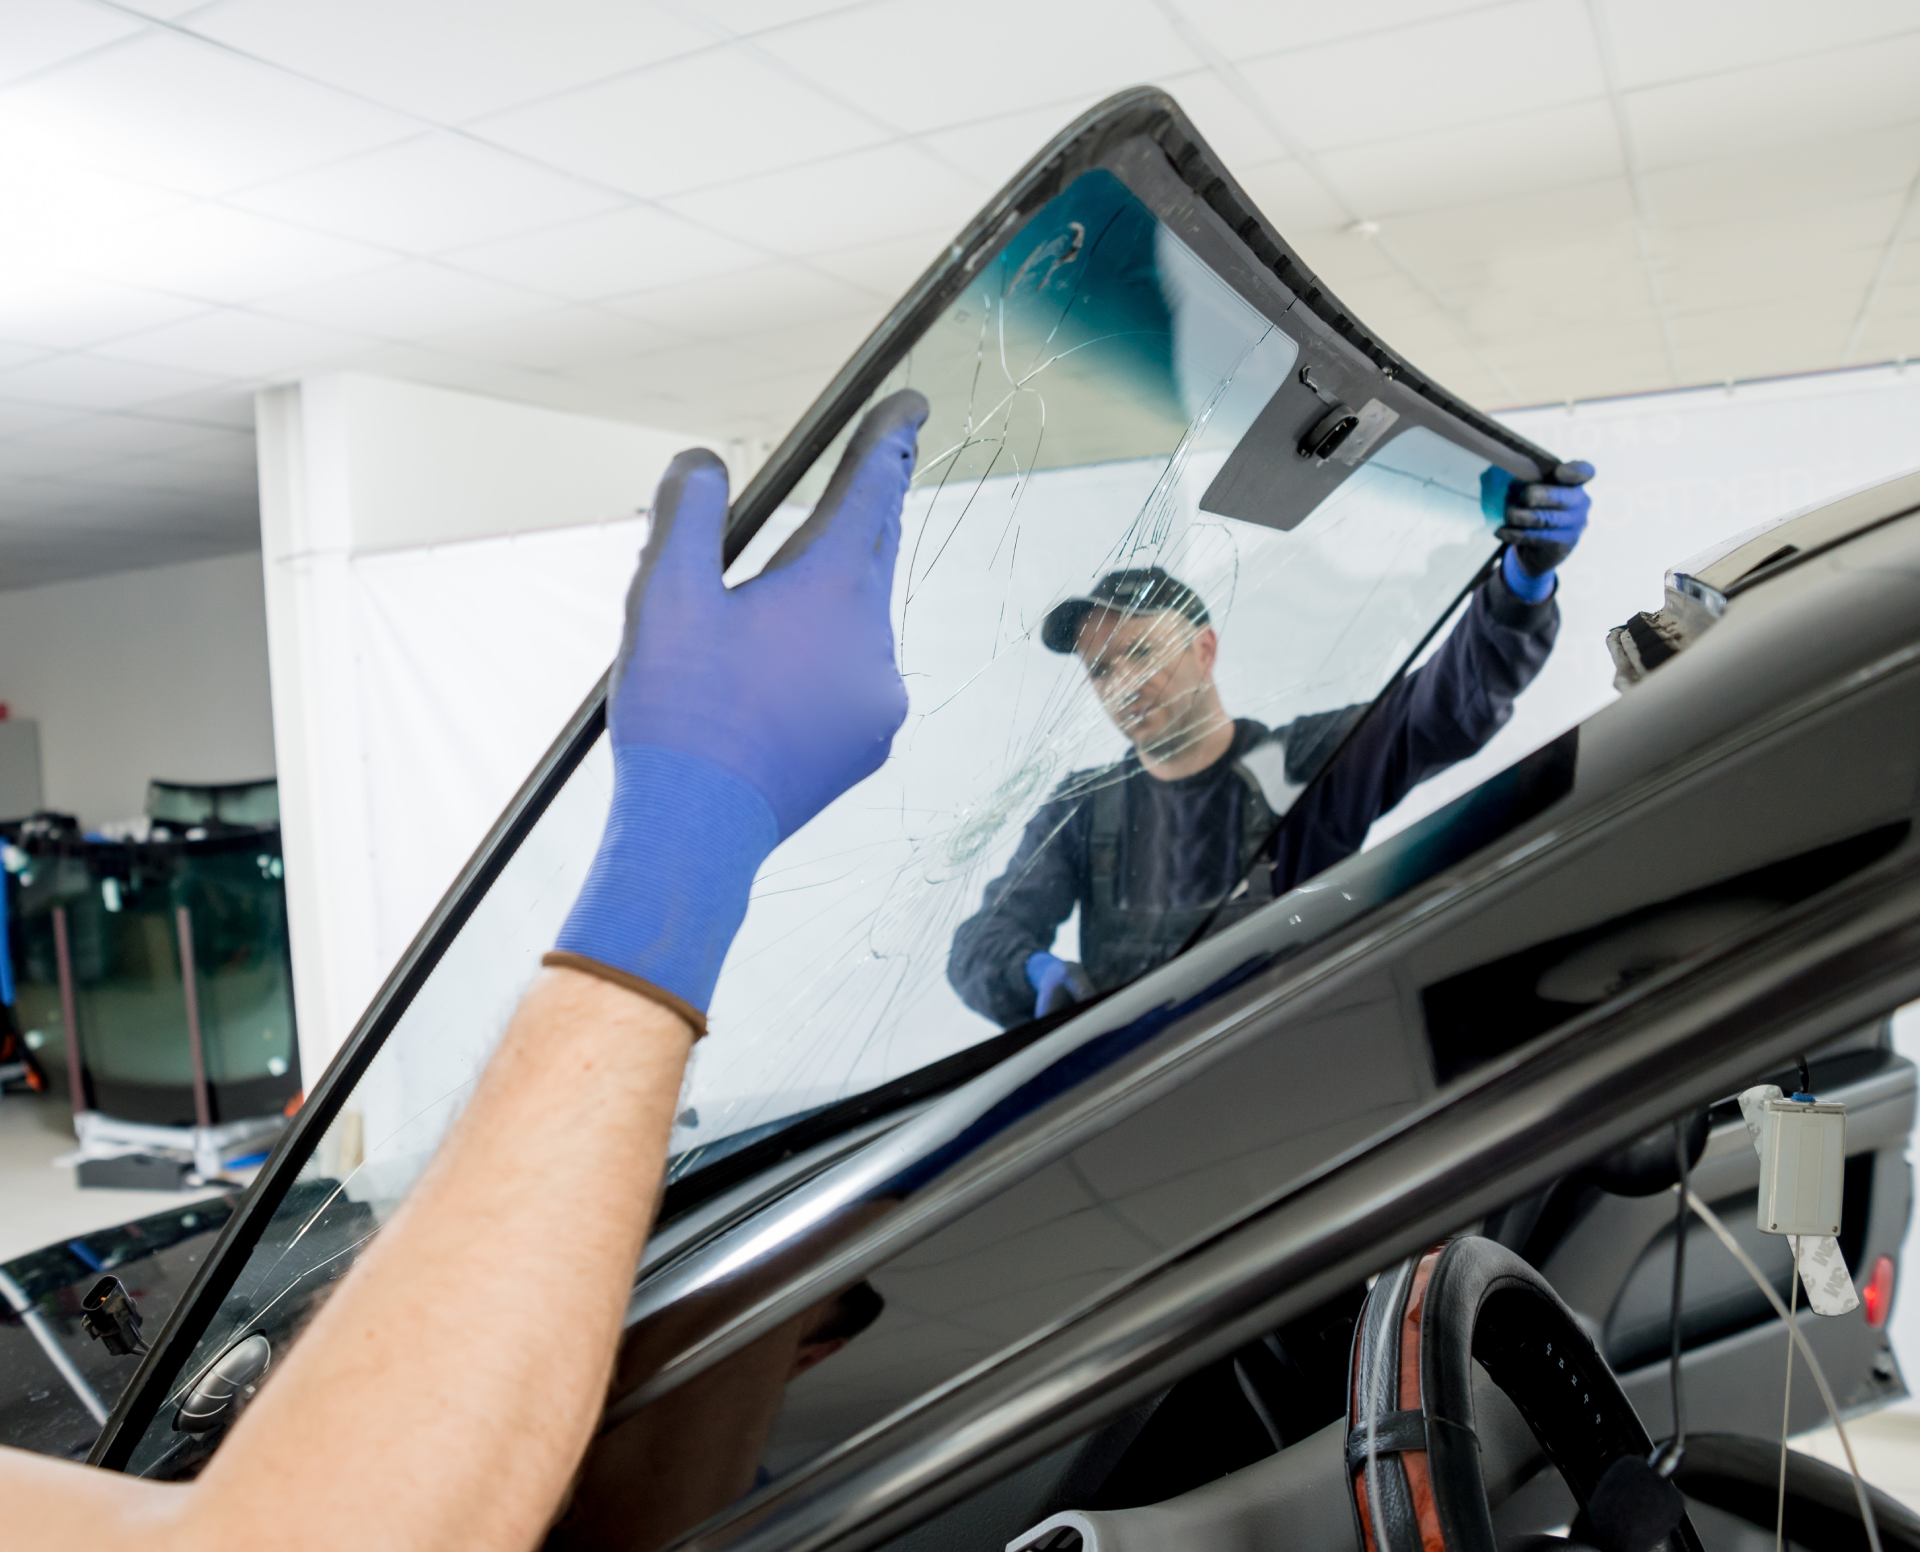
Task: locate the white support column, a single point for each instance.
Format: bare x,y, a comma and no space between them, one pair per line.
440,577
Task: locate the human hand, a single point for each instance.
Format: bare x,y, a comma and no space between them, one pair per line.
1057,983
737,714
1541,520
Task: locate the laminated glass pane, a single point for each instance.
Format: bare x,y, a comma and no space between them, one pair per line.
1114,423
121,906
1092,391
360,1170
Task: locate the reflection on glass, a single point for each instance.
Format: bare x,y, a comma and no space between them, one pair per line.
1095,393
704,1446
1087,390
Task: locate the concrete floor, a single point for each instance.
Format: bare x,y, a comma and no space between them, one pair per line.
40,1203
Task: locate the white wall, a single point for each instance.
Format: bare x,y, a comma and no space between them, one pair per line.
417,682
1677,472
444,579
141,674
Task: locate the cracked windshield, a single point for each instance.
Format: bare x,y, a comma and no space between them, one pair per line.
1115,687
1133,626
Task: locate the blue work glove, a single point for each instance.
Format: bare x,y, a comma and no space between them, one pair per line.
1057,983
1541,520
737,714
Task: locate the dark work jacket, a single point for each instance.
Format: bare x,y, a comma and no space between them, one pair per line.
1441,713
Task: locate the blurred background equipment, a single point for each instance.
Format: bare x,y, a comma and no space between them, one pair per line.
153,983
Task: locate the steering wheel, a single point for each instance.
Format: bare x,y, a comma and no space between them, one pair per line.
1413,1459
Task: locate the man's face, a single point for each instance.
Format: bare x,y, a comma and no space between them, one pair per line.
1152,673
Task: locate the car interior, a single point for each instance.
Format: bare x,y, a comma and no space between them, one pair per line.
1258,1449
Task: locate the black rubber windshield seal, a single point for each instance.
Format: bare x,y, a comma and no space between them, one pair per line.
1112,135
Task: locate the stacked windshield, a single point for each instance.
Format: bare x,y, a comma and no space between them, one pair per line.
1154,569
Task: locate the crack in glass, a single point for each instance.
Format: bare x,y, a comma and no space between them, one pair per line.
1086,389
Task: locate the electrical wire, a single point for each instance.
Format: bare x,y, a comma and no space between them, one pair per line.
1712,1220
1786,1403
1667,1458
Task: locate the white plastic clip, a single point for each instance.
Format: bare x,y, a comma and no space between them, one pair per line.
1803,1154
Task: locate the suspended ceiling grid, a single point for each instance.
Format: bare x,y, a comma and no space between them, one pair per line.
688,213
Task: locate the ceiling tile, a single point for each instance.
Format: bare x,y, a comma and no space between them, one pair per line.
1519,235
1893,330
1239,136
191,117
471,374
1033,54
1906,257
681,373
405,301
166,10
888,267
434,192
1655,40
993,150
762,407
49,31
683,125
450,60
230,450
149,481
1838,234
1741,112
60,214
231,343
1699,286
750,16
568,337
607,255
80,381
1243,29
1462,69
219,254
817,345
230,407
18,418
1291,198
863,197
1472,163
27,505
30,458
1761,341
158,476
1789,181
739,306
127,436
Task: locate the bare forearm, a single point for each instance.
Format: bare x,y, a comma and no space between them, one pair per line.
484,1318
444,1394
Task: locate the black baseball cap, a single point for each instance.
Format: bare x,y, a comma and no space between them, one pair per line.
1145,590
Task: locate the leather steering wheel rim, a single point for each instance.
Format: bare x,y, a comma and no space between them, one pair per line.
1425,1324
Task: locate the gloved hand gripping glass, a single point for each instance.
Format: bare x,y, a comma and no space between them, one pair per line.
737,714
1541,520
1057,983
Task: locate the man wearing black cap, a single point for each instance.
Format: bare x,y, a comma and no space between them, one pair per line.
1177,831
